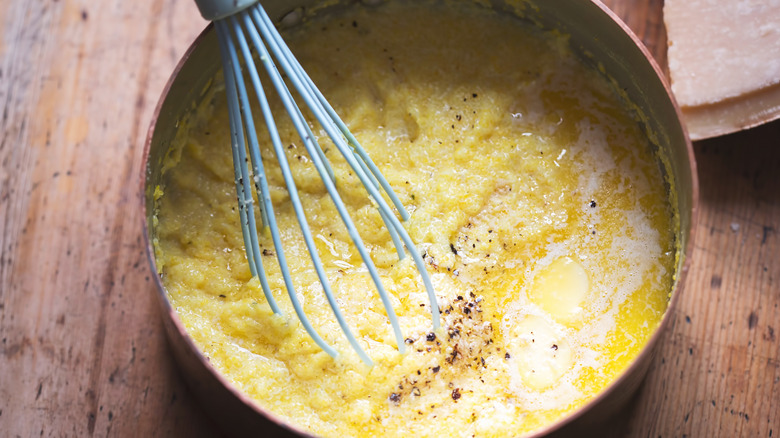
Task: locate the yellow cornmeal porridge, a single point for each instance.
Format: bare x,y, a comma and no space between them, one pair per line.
534,197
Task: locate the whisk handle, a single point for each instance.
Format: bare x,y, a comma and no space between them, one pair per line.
215,9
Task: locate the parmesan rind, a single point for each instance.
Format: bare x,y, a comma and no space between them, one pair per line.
724,63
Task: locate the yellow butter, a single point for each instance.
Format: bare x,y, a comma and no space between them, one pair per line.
560,289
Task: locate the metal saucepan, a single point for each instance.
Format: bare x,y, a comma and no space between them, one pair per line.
599,37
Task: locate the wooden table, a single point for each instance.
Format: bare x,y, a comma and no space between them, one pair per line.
82,350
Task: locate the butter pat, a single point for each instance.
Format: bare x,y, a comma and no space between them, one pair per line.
560,289
724,63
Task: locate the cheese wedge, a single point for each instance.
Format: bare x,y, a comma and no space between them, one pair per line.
724,63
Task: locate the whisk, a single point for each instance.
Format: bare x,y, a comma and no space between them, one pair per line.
243,26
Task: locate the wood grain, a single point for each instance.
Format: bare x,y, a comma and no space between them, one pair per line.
82,351
718,371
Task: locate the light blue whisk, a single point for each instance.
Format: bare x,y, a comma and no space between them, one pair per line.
241,23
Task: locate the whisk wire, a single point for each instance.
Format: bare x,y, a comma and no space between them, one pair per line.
256,157
306,87
281,49
313,147
246,212
309,142
253,24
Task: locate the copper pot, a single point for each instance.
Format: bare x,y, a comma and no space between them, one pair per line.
600,39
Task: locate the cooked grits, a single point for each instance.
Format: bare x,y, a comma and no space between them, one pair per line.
534,197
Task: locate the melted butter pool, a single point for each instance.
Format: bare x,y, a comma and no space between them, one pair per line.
533,195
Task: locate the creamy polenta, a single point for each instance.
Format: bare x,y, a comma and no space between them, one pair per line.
535,199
